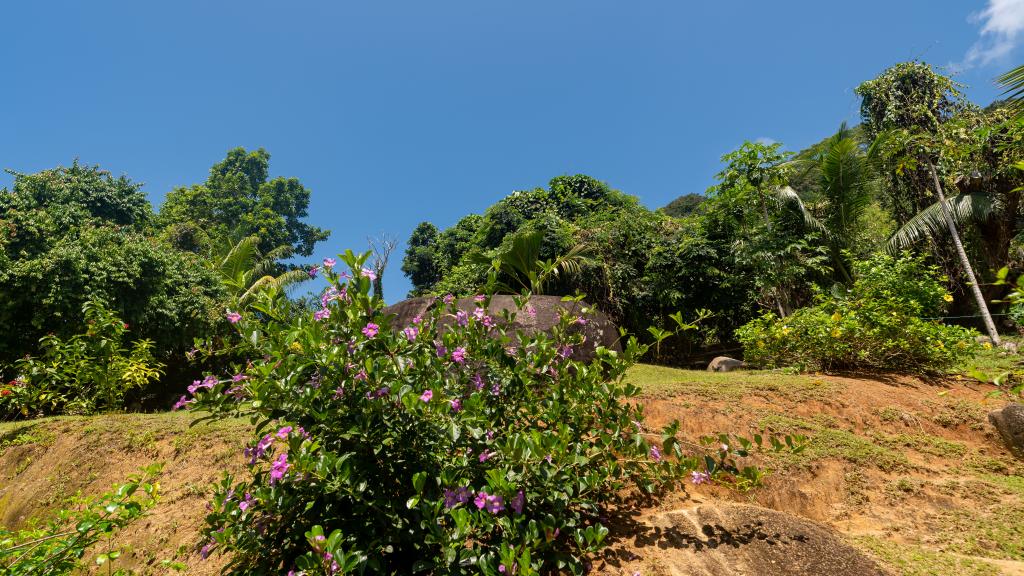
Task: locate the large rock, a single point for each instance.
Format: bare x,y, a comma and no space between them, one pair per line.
598,331
725,364
1010,423
722,539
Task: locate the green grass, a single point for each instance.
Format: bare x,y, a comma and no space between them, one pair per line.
664,381
997,532
910,560
826,441
923,443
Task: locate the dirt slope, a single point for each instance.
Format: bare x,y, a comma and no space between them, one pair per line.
906,470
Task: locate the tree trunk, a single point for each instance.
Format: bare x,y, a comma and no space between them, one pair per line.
979,298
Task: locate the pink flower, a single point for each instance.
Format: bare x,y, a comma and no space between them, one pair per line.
459,355
369,274
417,319
531,311
456,404
233,317
488,322
411,333
655,454
322,314
245,503
371,330
699,477
314,271
329,262
440,349
280,467
479,313
427,395
491,502
284,432
486,455
461,318
448,298
479,298
181,403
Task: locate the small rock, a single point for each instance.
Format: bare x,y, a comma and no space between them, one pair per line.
1010,347
982,339
1010,423
725,364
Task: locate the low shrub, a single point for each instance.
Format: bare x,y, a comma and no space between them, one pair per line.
58,548
83,374
444,447
885,321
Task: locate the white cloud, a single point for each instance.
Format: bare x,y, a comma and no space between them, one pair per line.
1002,25
765,140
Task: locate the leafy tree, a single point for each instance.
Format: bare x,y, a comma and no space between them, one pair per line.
684,205
420,263
71,234
237,200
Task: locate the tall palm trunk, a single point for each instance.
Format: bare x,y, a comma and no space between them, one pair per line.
990,326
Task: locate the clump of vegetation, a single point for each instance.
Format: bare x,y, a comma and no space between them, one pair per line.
83,374
447,445
59,547
885,321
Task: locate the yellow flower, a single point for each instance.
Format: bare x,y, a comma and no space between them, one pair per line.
987,345
296,347
836,332
786,330
948,297
836,317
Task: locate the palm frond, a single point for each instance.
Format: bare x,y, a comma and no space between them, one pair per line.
788,197
963,208
1013,82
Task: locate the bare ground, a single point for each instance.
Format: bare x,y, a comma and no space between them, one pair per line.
906,470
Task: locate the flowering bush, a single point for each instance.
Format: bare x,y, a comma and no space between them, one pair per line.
83,374
447,446
884,322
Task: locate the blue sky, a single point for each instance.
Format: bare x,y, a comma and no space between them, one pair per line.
397,112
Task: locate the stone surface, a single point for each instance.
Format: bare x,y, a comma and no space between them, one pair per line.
1010,423
725,364
723,539
599,330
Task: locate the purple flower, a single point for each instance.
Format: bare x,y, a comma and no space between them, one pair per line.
501,568
565,350
246,502
452,498
491,502
581,321
479,298
478,382
488,322
461,318
339,392
314,271
329,262
369,274
518,502
370,330
655,454
459,355
456,404
495,389
417,319
427,395
322,314
411,333
204,552
479,313
379,393
360,376
486,455
280,467
181,403
284,432
233,317
699,477
239,377
448,298
440,349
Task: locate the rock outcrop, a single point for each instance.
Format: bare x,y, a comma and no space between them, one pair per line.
722,539
725,364
1010,423
599,330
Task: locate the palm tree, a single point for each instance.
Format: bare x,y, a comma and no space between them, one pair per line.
245,272
520,267
926,223
1013,82
845,184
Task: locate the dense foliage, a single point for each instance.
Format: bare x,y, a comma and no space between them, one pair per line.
83,374
446,446
885,321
